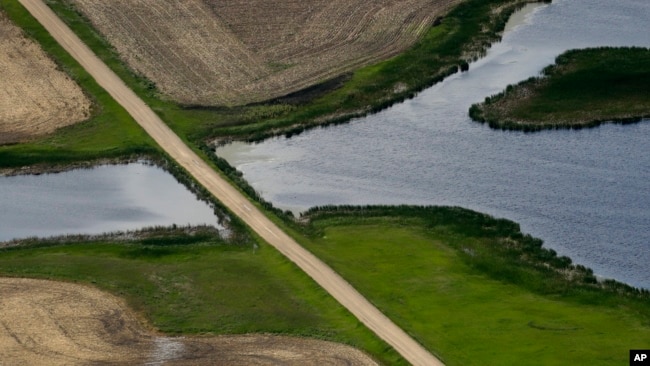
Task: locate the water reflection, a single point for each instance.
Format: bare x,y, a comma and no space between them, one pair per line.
93,201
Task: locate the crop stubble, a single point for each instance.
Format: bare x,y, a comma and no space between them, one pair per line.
229,52
58,323
35,97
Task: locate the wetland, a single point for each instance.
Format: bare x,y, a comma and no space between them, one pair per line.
584,192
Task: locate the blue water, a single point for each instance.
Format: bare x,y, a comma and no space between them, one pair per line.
586,193
94,201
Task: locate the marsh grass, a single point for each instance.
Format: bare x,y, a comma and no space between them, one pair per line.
584,88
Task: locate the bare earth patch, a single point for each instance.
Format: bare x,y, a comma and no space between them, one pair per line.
226,52
35,97
58,323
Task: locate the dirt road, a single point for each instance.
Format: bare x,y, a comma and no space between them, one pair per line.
336,286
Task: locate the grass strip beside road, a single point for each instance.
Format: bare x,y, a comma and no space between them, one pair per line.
583,89
478,291
111,133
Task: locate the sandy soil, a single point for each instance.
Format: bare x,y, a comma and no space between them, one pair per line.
35,97
225,52
329,280
57,323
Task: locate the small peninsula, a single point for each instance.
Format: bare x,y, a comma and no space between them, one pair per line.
584,88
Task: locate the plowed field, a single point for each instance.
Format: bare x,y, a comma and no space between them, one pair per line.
57,323
227,52
35,97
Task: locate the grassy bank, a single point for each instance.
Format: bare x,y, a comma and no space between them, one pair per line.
583,89
476,291
110,133
199,284
461,36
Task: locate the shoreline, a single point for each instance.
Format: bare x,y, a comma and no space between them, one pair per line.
44,168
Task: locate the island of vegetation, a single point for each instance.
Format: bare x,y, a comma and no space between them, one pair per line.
584,88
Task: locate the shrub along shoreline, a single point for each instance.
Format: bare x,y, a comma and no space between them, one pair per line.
584,88
459,37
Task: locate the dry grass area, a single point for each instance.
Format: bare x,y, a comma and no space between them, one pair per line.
227,52
35,97
57,323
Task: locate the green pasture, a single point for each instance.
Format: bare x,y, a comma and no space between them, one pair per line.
476,292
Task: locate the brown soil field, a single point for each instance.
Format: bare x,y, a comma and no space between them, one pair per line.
57,323
35,97
228,52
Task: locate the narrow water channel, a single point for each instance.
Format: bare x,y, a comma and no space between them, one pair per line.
585,192
93,201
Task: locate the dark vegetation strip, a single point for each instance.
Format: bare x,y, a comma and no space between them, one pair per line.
584,88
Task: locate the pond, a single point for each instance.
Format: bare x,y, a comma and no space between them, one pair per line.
93,201
584,192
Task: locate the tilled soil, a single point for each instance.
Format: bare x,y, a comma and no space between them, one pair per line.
35,97
226,52
57,323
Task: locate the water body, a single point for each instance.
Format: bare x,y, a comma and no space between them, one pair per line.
585,192
94,201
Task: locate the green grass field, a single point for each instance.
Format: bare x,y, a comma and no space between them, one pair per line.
456,282
204,286
583,89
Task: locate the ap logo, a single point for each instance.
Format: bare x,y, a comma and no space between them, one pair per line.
640,357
